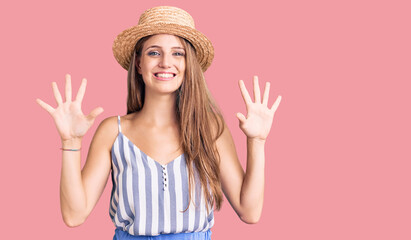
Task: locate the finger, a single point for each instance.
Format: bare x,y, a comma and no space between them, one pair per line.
95,112
266,93
241,117
68,88
244,92
56,92
81,90
44,105
275,104
257,96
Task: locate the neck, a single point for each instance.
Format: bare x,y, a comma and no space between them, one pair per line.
159,110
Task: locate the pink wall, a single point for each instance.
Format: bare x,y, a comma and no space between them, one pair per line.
338,158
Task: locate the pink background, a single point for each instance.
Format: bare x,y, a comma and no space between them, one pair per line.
338,156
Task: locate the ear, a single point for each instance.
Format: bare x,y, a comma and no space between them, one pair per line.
138,65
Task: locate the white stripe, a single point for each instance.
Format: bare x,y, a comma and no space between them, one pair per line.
116,192
154,196
210,224
211,209
122,212
141,192
131,228
167,224
179,195
191,209
129,175
206,219
202,212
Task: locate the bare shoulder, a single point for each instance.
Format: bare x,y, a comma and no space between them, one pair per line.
126,119
109,125
224,140
106,132
230,167
224,136
217,128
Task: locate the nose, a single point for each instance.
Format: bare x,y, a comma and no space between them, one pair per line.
165,61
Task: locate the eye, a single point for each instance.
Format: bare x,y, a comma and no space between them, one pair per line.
153,53
179,54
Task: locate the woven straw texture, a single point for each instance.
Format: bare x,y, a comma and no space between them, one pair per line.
168,20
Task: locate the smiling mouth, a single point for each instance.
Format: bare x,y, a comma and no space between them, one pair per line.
165,75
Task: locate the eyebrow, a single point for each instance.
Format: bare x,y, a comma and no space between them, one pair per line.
156,46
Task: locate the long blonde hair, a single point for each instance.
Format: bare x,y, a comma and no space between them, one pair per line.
197,114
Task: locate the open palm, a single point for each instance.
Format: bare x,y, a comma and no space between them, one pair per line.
259,118
70,121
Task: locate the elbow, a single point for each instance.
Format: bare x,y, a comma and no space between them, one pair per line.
251,218
73,222
250,215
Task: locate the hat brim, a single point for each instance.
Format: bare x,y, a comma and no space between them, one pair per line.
125,42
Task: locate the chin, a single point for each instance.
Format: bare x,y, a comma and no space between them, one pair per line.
166,90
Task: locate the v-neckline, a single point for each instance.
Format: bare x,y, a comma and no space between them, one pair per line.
152,159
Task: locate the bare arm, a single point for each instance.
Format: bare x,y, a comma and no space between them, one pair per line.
80,189
245,191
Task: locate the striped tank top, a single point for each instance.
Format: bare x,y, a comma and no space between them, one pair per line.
149,198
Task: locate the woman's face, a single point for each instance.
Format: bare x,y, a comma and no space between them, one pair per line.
162,63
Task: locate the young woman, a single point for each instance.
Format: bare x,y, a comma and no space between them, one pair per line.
172,156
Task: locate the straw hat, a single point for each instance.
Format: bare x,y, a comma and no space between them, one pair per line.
163,19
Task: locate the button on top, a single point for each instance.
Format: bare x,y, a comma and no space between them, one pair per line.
164,177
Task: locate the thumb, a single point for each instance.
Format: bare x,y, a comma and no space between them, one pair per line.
240,117
95,112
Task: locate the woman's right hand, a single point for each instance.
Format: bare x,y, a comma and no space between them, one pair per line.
68,117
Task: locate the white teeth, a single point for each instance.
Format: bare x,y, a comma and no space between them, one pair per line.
164,75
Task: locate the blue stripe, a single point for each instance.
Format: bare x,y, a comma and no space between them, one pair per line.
114,179
161,193
149,207
124,178
197,200
115,203
184,185
135,186
208,220
173,203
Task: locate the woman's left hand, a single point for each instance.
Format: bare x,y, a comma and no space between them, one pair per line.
259,119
